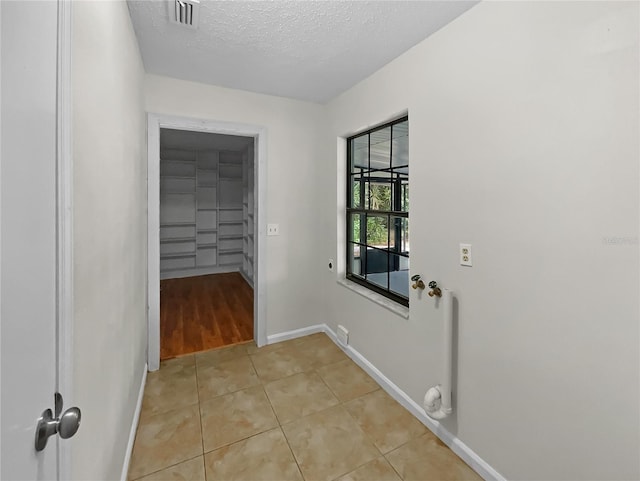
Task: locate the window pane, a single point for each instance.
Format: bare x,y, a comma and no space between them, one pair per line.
380,196
356,195
399,241
400,150
381,148
377,231
377,265
405,197
355,259
360,153
399,274
355,223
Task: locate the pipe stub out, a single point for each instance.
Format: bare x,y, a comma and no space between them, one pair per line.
433,403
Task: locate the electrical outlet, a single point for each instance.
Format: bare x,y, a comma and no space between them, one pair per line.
465,255
273,229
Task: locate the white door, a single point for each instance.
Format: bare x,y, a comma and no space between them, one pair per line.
28,235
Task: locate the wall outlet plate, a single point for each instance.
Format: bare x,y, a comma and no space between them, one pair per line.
273,229
465,255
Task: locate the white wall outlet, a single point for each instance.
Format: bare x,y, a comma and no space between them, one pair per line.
331,264
273,229
465,255
343,335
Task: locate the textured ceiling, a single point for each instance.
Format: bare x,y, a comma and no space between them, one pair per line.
308,50
186,139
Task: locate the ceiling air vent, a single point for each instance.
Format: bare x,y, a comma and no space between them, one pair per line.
185,13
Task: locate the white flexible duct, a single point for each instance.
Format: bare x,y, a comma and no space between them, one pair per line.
437,400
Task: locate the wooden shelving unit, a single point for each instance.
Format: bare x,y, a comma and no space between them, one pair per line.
248,245
201,212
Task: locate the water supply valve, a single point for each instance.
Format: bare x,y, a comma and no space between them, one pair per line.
435,290
418,283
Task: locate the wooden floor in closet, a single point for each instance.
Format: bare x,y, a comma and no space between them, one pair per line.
204,312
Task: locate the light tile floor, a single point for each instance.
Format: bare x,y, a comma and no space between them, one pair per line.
296,410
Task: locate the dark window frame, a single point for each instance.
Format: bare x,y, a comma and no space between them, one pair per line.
398,198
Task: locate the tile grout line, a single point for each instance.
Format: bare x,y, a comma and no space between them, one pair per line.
367,436
284,435
293,455
382,454
167,467
340,401
261,384
391,464
195,361
164,413
233,443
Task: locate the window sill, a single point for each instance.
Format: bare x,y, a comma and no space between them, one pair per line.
388,304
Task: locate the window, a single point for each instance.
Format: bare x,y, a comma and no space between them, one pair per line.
378,209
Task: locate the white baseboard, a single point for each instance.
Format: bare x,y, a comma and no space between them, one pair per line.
134,426
287,335
457,446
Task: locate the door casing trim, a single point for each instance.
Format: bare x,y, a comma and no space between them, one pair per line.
64,225
154,123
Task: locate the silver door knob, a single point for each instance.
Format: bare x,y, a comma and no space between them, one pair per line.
69,423
65,424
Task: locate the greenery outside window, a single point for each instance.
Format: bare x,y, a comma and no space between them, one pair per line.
378,209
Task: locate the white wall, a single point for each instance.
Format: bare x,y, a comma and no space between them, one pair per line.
524,138
110,234
293,297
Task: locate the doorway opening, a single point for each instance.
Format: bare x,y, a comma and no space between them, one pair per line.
206,241
204,190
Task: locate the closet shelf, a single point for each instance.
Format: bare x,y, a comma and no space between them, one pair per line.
176,255
177,224
206,231
230,236
178,160
175,269
211,245
169,240
230,222
234,250
190,177
230,207
206,208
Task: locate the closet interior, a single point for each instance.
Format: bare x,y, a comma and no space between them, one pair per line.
206,204
207,219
